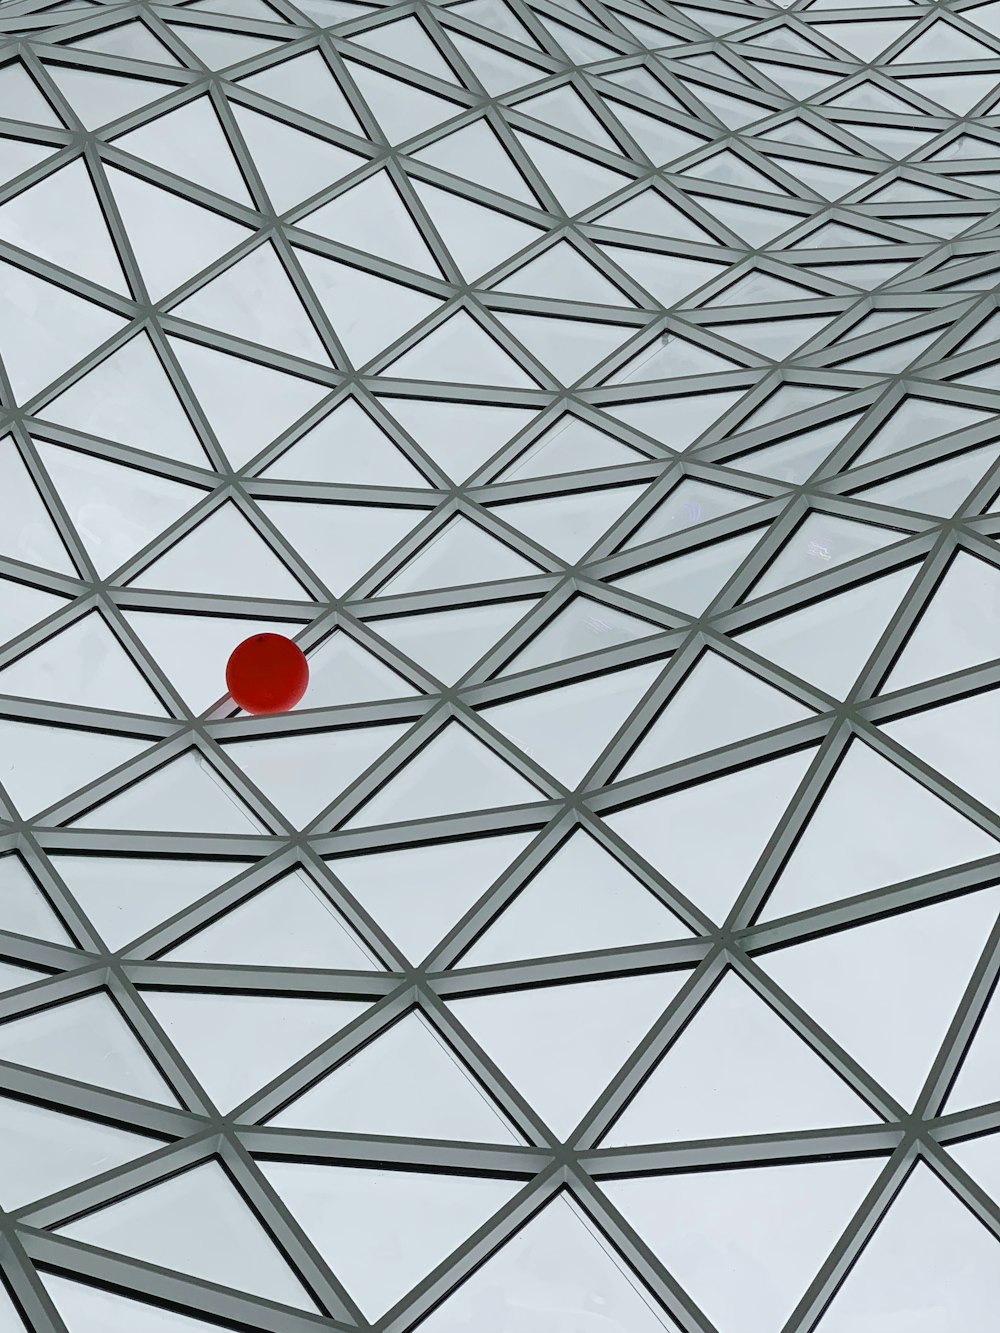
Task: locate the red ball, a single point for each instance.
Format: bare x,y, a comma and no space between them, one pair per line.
267,673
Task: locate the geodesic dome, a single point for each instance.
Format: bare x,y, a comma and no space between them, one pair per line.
603,396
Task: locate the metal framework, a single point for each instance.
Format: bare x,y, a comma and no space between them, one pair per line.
770,235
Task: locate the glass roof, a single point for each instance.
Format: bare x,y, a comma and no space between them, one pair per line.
602,393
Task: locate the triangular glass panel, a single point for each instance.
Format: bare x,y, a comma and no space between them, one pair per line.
235,1044
677,833
342,672
459,437
796,459
85,1039
20,98
798,1210
222,555
173,239
190,143
736,1069
447,643
670,358
367,312
27,533
195,1223
416,894
577,182
649,212
564,108
459,351
498,72
218,49
566,729
939,489
478,238
582,899
454,773
182,796
100,97
406,41
570,445
17,155
132,40
661,141
307,84
22,606
908,972
44,764
594,1025
402,111
346,448
567,348
569,525
25,909
125,896
960,627
691,582
128,398
677,421
463,547
717,705
372,217
392,1227
874,826
667,278
341,542
821,543
583,626
474,153
254,299
957,93
689,504
116,510
87,1309
957,740
302,773
406,1083
293,165
562,274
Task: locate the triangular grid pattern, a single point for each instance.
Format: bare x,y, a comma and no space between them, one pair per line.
603,395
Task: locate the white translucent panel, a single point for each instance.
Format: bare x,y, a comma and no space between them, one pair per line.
566,348
497,72
303,773
981,1158
307,84
822,542
874,826
342,672
669,358
660,141
42,764
132,40
190,142
17,155
914,422
496,17
736,1069
98,98
930,1265
88,1040
23,907
447,643
787,401
459,548
124,896
476,154
405,41
341,542
458,436
254,299
247,405
87,1309
938,490
718,704
128,398
44,330
562,273
371,216
460,352
584,626
235,1044
649,212
195,1223
13,976
571,445
729,169
35,220
691,582
569,525
346,448
290,924
402,111
798,458
27,533
688,504
192,651
828,642
223,555
774,1225
908,973
390,1228
116,510
42,1151
593,1025
958,739
84,665
566,729
667,278
775,338
416,894
22,606
20,98
581,899
182,795
368,313
407,1082
218,49
957,93
478,238
292,164
678,833
565,109
557,1270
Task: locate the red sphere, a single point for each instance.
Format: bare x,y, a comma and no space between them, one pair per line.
267,673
